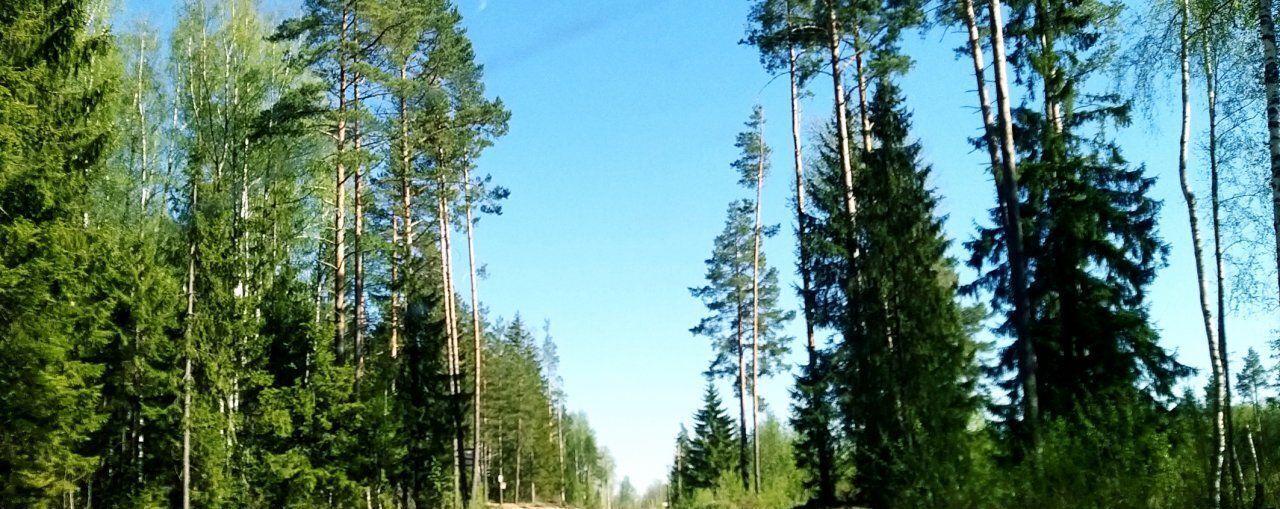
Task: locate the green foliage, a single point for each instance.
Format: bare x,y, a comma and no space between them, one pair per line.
521,417
55,303
753,163
586,464
727,296
906,372
1090,228
813,414
711,450
1106,456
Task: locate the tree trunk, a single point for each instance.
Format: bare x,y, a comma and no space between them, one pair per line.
399,265
1259,492
560,442
340,199
454,361
1271,84
476,332
989,133
1211,91
826,489
188,378
755,315
806,278
519,452
842,112
742,405
357,241
1008,191
1206,312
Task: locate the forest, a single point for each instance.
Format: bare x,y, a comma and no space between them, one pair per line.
233,253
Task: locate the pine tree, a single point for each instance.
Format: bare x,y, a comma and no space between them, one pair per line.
728,297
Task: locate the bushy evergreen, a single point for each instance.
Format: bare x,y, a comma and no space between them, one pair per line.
711,450
905,371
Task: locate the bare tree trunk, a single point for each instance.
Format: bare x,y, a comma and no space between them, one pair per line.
825,487
519,453
1259,492
989,133
476,332
1008,191
455,364
142,123
404,251
806,278
1271,85
188,378
1215,355
1224,392
842,112
340,197
560,433
358,233
742,404
755,314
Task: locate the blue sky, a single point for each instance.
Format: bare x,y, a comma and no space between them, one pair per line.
624,116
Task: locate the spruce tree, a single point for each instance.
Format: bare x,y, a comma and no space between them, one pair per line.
711,450
1090,232
54,307
907,366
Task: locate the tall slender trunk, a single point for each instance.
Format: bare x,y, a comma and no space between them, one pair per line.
476,331
755,314
1259,491
519,453
1224,391
989,132
560,443
142,124
1193,217
826,488
1271,85
340,196
455,365
842,112
188,378
802,225
358,236
404,250
742,404
1008,190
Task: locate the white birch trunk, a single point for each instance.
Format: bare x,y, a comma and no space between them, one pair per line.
1206,311
1271,84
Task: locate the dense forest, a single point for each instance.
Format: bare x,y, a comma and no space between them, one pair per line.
230,264
226,272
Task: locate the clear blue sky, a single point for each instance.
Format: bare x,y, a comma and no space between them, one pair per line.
624,116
